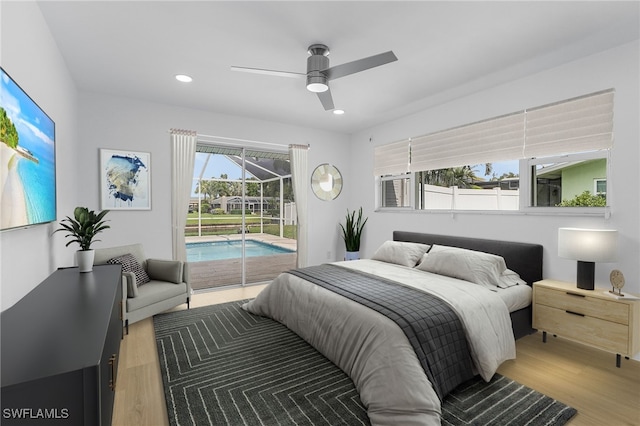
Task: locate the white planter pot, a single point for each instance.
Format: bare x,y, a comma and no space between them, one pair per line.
85,260
352,255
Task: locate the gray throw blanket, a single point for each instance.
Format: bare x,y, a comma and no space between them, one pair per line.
430,324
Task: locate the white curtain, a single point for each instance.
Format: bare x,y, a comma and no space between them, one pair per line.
298,156
183,153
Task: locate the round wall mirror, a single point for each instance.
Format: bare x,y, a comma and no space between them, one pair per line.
326,182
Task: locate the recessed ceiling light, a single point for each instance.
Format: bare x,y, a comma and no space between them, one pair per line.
184,78
338,111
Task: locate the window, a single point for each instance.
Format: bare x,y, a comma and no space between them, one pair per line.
395,191
578,180
549,156
489,186
600,187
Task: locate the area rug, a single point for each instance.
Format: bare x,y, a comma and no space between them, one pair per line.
224,366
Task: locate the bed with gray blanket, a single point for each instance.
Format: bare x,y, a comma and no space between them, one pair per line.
424,314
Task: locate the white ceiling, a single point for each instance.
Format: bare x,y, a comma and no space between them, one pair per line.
444,49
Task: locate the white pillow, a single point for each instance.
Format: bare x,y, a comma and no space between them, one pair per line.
475,266
400,253
510,278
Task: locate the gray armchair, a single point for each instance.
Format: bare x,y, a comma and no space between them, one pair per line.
166,286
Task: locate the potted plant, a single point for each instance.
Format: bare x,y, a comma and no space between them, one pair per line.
82,229
351,233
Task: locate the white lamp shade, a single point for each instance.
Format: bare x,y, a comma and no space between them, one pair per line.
588,245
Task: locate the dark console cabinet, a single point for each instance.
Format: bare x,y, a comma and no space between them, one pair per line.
60,347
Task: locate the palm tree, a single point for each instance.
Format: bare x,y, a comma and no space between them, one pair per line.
462,177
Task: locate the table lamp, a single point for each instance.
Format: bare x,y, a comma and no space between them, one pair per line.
587,246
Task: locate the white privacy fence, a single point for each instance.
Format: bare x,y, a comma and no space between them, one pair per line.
290,214
454,198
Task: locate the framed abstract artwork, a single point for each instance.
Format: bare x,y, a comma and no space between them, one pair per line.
125,180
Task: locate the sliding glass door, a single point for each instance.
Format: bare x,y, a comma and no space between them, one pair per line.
241,227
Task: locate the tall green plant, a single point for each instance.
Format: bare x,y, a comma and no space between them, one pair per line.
83,227
352,230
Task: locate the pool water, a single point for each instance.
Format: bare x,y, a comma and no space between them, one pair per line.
219,250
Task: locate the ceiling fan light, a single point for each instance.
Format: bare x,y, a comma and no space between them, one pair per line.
317,83
317,87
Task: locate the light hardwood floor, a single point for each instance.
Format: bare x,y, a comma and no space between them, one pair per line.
584,378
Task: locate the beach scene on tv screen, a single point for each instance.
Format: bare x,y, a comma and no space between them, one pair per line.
27,159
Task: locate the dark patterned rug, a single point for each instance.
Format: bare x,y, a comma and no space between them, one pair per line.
224,366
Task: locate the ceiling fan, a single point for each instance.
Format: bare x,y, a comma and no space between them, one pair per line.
319,73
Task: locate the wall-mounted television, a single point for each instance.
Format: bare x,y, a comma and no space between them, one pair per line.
27,159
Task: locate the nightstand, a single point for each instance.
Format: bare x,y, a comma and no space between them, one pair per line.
587,316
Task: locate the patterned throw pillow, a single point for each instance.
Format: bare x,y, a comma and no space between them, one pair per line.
130,264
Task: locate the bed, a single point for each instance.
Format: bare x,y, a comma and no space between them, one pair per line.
524,258
405,334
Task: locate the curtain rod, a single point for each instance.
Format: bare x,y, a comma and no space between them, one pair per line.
233,141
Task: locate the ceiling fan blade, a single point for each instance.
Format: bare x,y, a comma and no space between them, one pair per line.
359,65
269,72
326,99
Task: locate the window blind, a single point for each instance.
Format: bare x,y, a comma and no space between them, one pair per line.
391,159
496,139
575,125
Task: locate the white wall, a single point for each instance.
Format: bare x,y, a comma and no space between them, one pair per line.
31,57
617,68
120,123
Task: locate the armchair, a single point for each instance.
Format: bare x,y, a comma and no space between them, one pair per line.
149,286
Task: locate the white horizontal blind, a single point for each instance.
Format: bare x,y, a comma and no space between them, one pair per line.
391,159
496,139
575,125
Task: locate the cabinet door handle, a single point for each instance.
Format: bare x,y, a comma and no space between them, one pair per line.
575,294
112,379
574,313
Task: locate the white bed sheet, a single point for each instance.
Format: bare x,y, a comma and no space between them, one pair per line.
515,297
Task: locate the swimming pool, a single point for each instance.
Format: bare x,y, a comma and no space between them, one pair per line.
219,250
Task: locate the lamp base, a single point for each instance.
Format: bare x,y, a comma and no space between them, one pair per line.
586,275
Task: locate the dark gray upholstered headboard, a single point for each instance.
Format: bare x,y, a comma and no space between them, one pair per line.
523,258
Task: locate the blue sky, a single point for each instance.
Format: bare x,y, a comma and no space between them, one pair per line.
499,168
23,111
217,165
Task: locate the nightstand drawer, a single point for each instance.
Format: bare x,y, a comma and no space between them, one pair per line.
603,334
609,310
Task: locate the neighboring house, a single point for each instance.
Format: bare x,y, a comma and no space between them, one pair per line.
252,204
564,181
